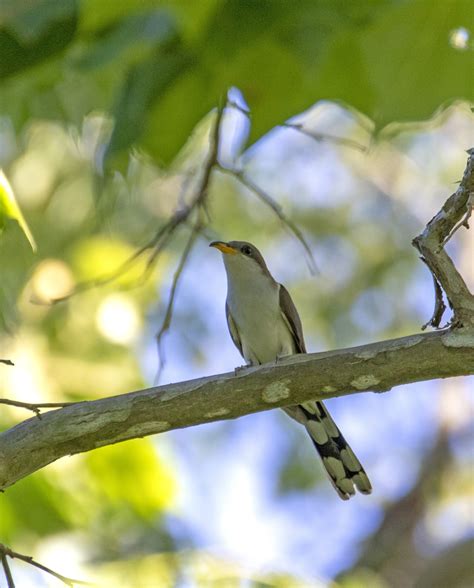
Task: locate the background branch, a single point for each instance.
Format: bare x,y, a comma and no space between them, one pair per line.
163,235
166,322
240,176
84,426
7,552
33,406
324,137
6,570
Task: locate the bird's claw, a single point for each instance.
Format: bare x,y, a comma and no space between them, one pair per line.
241,368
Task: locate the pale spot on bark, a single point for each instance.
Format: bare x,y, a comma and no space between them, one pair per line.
365,382
413,341
217,413
144,429
368,354
138,430
403,343
276,391
329,389
459,338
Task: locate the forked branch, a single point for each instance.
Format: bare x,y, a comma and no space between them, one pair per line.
446,278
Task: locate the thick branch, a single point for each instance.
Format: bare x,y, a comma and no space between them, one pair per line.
455,212
80,427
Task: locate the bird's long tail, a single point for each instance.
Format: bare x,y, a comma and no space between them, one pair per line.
344,469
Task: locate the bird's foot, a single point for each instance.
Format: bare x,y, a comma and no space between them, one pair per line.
279,358
241,368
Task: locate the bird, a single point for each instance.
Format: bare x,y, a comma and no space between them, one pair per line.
264,326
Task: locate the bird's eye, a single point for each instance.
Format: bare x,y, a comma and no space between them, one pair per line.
246,250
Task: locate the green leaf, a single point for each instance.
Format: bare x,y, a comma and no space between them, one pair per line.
133,35
264,48
392,61
192,16
31,32
96,15
146,82
168,67
402,66
9,209
239,47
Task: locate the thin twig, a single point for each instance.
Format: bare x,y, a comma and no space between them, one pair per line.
119,271
165,325
187,177
7,361
198,202
34,407
154,243
6,551
6,570
163,235
242,109
324,137
298,127
213,159
277,209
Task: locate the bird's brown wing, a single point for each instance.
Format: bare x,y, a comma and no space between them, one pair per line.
234,333
292,319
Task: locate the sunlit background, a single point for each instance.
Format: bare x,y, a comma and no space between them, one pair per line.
244,502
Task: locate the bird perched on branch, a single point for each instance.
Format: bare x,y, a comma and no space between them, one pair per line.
264,325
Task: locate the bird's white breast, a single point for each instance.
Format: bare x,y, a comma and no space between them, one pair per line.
254,304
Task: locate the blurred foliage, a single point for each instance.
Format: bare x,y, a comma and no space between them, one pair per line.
205,569
159,67
131,84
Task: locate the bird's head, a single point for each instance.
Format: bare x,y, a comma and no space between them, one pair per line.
241,258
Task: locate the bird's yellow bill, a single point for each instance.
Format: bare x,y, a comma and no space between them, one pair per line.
224,247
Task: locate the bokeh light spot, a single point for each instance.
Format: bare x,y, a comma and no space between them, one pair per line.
52,279
117,319
459,38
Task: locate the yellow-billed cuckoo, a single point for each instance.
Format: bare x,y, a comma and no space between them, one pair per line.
264,325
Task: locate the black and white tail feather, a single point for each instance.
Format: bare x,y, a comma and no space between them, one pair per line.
344,469
342,466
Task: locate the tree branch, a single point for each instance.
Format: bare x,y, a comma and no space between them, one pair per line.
324,137
33,406
239,175
166,322
84,426
454,213
6,551
6,570
156,245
